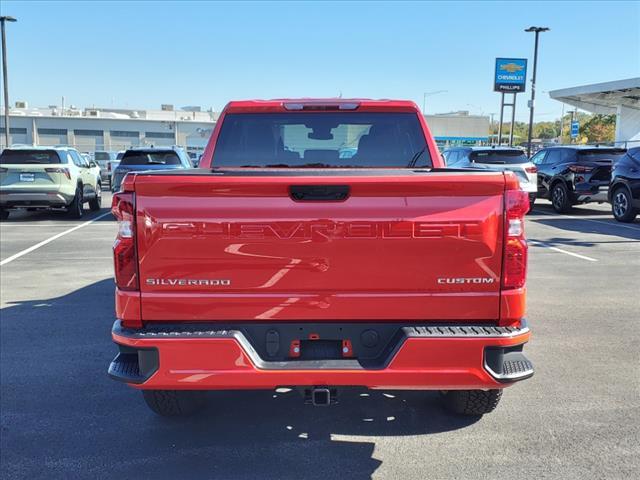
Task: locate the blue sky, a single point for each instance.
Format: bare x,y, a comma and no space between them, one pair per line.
142,54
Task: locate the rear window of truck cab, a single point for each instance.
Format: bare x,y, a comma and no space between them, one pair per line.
25,157
150,158
499,157
321,140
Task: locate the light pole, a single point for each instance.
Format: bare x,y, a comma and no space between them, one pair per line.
4,19
561,124
537,31
428,94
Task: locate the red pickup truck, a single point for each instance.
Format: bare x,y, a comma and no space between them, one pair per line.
321,244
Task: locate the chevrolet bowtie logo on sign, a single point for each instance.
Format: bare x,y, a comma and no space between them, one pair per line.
512,67
510,75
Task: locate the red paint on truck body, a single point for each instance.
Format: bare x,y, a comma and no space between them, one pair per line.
427,248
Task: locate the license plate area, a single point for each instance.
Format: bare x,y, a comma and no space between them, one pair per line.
320,350
27,177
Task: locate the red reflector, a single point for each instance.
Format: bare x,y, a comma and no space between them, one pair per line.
125,259
514,272
125,265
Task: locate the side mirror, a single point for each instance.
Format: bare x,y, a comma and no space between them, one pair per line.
93,164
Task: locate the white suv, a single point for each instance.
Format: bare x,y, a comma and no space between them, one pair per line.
48,177
497,158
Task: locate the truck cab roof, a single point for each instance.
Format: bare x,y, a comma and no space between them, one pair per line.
310,104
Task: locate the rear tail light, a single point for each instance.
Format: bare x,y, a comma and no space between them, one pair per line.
64,171
515,251
124,249
532,169
580,169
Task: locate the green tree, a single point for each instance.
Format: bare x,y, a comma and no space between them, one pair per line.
599,128
546,130
593,129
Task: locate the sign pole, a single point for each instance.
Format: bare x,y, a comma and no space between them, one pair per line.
561,124
573,119
501,119
513,119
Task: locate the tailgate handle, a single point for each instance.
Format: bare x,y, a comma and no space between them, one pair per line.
319,193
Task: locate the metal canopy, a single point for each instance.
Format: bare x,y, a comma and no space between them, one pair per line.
604,98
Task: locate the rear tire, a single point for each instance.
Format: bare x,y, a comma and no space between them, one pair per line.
174,403
95,203
472,402
4,214
560,198
622,206
75,209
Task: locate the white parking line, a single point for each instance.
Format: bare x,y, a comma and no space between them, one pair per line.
538,243
50,239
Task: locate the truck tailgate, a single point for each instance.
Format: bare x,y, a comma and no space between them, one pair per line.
408,246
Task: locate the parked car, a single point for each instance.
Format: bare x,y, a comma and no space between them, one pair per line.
278,263
96,170
624,190
149,158
113,164
47,177
104,159
575,174
496,158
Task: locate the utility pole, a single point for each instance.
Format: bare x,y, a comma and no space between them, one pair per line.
4,19
537,31
501,119
491,139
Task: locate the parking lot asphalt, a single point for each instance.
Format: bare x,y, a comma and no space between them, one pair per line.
62,417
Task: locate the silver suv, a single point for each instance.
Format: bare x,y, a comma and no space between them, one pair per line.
48,177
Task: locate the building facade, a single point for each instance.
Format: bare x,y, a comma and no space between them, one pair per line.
101,129
459,128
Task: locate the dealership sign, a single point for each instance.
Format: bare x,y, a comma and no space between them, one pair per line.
511,75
